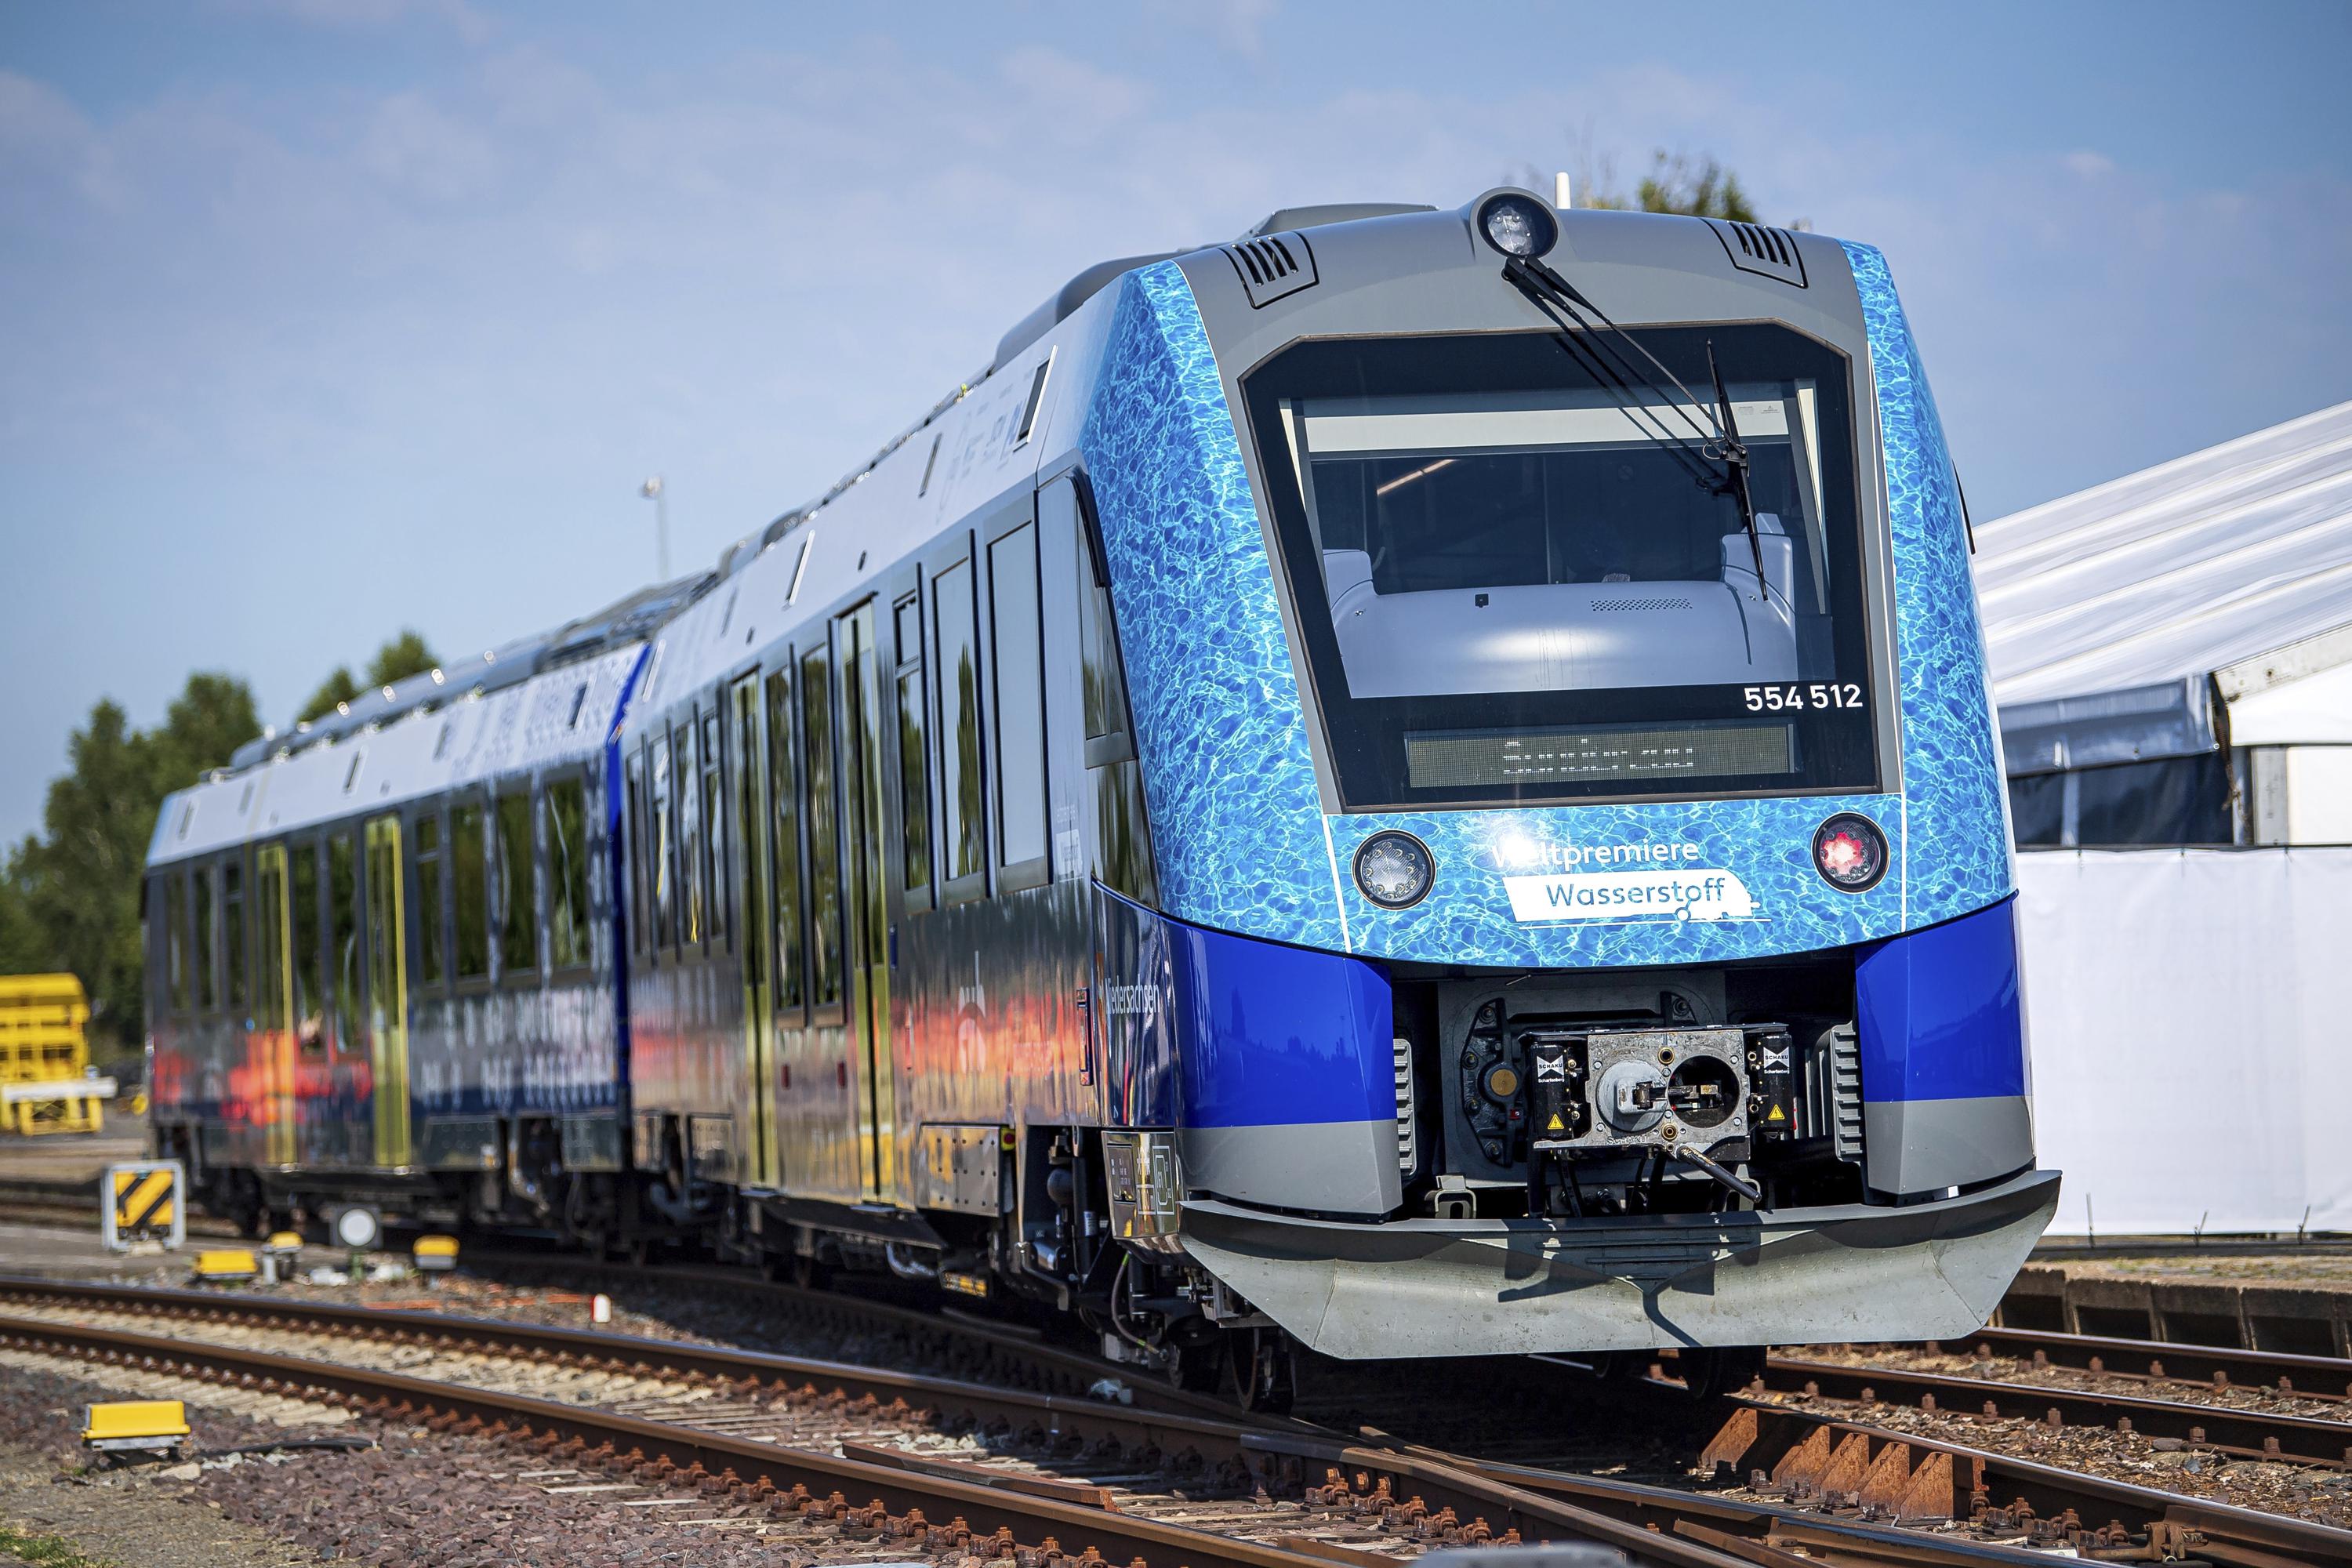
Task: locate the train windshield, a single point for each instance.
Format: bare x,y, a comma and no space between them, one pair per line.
1516,583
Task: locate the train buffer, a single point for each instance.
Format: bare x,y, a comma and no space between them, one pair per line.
143,1202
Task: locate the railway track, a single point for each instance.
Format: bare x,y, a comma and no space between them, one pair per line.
1283,1487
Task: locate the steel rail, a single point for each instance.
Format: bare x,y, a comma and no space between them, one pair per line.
2246,1434
704,1457
2164,1361
1357,1478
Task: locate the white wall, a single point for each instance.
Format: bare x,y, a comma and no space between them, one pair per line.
2192,1047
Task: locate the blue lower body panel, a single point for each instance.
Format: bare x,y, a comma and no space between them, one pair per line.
1940,1018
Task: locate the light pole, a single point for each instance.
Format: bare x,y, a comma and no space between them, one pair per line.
654,491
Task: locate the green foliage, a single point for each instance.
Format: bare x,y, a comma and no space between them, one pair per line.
1694,187
404,656
69,894
70,897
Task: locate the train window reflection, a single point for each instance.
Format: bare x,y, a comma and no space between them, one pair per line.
207,960
343,937
565,807
823,843
783,789
175,939
686,781
469,880
310,960
663,864
233,934
518,922
1019,696
640,910
432,947
714,828
913,758
963,835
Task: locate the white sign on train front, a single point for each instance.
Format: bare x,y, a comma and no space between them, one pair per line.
1691,894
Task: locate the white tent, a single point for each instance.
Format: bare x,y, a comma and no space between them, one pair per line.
2172,656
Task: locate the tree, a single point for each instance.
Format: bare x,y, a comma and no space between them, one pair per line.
1694,187
398,659
70,897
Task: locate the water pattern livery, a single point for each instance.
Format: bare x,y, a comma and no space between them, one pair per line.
1230,779
1227,774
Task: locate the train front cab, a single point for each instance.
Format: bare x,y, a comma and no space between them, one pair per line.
1585,915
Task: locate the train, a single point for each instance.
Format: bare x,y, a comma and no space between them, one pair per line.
1418,783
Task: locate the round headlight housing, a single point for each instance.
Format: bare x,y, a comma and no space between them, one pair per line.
1395,869
1517,225
1850,852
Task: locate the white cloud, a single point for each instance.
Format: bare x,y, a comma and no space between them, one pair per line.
2090,165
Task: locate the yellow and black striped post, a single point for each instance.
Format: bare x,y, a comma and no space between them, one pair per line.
144,1201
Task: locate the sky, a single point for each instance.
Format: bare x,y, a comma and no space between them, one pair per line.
320,318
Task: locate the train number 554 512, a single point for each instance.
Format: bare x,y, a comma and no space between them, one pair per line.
1773,699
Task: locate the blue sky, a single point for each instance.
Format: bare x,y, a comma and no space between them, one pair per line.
326,317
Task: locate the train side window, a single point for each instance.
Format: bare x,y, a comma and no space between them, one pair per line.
823,839
432,947
207,957
914,756
1019,666
233,933
1102,672
632,790
309,972
564,805
344,938
687,784
714,827
175,939
469,883
518,907
963,831
784,840
663,867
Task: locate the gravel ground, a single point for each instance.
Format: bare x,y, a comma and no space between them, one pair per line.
417,1496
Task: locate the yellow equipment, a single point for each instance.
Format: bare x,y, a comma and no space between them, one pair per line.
134,1423
44,1083
225,1266
435,1254
141,1200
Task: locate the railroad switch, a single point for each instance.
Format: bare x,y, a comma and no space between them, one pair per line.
135,1426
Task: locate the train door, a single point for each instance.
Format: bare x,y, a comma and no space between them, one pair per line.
748,784
857,666
273,1002
387,956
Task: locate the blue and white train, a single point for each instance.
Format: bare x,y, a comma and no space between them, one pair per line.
1418,783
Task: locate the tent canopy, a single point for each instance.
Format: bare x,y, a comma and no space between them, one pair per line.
2165,577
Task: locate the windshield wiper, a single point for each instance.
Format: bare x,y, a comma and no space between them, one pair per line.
1718,460
1735,459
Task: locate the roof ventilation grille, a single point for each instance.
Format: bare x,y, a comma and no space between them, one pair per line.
1273,267
1766,252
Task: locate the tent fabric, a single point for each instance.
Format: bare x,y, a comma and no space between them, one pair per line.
2189,1067
2174,572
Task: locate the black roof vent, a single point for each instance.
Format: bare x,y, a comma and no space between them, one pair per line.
1273,268
1766,252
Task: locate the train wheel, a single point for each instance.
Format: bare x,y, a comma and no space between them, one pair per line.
1258,1372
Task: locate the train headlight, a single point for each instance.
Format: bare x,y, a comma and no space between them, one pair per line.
1395,869
1517,225
1850,852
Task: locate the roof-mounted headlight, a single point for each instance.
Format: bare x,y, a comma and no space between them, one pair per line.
1517,224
